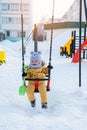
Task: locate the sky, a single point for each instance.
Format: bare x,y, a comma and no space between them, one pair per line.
44,8
67,102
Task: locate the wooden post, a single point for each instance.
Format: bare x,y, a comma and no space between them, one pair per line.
35,38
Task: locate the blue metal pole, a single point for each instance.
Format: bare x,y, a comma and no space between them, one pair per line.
80,27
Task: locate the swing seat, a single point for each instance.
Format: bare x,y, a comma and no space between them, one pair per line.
36,83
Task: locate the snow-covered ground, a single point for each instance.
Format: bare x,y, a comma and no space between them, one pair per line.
67,106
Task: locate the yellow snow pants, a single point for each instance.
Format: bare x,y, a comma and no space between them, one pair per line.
42,90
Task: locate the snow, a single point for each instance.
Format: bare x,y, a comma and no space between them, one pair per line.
67,106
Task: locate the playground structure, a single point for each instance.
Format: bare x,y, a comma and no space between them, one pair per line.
2,57
76,47
72,45
82,40
67,49
75,59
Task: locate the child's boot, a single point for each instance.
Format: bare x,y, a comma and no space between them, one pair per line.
44,105
33,103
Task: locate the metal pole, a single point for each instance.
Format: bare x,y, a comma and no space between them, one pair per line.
74,41
85,31
85,8
80,21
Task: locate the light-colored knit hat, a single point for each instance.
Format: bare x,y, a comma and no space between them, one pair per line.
35,56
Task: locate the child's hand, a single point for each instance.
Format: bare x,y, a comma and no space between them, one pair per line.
24,74
50,66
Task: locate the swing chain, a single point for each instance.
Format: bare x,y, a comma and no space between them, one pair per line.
51,42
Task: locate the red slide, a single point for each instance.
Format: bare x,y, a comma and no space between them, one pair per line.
75,59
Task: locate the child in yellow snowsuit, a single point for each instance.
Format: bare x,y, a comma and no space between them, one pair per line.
37,70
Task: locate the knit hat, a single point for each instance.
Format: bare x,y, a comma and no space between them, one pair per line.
35,56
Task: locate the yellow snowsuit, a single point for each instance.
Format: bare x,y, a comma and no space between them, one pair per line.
37,73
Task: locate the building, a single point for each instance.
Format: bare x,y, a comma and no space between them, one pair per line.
10,17
72,13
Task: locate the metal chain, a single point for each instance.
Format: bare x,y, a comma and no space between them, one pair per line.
51,41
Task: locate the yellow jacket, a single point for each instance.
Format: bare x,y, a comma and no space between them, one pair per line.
37,73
